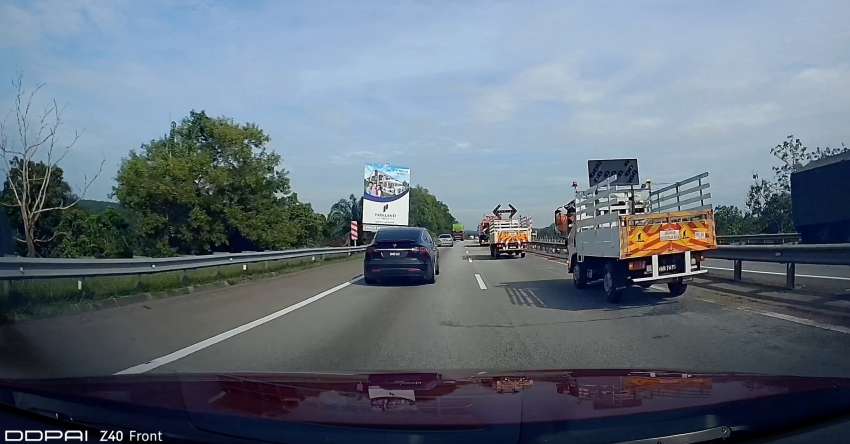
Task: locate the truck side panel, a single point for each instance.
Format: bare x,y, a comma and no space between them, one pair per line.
598,242
666,233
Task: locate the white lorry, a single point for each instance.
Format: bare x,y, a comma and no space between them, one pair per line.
632,235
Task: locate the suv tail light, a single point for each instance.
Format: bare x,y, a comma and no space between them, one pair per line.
424,252
370,251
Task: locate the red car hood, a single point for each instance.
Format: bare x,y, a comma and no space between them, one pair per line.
447,399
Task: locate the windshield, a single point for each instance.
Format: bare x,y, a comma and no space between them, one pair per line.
282,187
394,234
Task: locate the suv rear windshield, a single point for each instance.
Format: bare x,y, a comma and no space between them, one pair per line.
397,235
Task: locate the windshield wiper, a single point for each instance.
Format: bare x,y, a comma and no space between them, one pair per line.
707,435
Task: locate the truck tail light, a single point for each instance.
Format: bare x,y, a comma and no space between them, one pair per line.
637,265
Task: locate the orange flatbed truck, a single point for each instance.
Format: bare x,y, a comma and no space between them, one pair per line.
508,236
635,236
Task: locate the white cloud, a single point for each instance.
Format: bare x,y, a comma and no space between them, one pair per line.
355,157
25,27
557,82
725,119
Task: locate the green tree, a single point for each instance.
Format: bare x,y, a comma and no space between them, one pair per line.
210,184
341,214
732,220
104,235
309,225
43,229
428,212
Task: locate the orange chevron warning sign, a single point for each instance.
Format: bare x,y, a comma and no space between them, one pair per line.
665,233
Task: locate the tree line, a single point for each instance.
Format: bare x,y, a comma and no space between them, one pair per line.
210,184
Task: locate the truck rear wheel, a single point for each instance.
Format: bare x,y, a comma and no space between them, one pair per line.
492,251
612,283
677,288
580,276
522,254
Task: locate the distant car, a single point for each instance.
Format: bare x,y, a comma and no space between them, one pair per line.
401,252
446,240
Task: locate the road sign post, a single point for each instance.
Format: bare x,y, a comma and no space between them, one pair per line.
354,235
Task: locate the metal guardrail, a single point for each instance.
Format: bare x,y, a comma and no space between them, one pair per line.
759,239
789,254
33,268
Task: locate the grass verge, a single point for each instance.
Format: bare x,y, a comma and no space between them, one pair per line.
41,298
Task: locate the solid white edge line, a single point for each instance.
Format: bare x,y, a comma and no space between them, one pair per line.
802,321
814,276
186,351
470,259
480,281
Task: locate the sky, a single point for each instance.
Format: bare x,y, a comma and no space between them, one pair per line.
487,102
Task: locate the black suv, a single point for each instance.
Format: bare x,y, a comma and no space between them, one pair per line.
401,252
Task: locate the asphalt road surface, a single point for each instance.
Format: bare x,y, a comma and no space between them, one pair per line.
482,313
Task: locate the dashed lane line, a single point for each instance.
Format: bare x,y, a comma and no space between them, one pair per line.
480,281
796,320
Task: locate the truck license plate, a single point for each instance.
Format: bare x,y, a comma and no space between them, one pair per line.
669,235
663,268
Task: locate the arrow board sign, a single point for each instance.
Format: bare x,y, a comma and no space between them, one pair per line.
499,211
626,171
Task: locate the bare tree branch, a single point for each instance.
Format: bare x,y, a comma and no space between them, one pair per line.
49,239
36,146
85,187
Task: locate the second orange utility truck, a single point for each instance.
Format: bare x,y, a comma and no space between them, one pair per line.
507,235
625,233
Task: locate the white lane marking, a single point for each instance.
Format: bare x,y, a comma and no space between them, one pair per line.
186,351
216,397
480,281
658,287
802,321
470,259
814,276
710,301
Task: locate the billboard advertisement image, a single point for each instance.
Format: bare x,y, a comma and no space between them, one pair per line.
386,195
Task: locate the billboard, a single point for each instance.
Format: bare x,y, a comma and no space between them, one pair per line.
386,195
626,171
